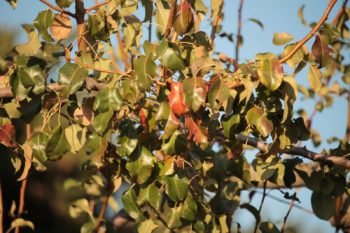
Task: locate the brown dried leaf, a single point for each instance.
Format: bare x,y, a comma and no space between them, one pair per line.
61,27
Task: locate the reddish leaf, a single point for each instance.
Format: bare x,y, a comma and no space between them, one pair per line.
143,117
194,132
184,19
321,51
7,134
176,99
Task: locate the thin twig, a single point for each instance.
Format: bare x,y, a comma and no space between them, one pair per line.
239,28
123,50
22,193
347,132
1,211
102,212
260,208
340,13
56,8
301,151
170,22
215,24
311,33
286,217
87,10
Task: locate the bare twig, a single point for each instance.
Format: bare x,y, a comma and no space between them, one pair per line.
102,212
311,33
56,8
340,13
123,50
301,151
87,10
260,208
238,40
22,193
287,214
215,24
170,22
1,211
347,132
81,26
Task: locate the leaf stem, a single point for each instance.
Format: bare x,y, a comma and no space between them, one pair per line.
287,214
102,212
23,184
87,10
260,208
311,33
56,8
239,28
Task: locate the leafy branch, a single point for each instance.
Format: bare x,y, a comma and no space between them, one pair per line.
56,8
311,33
302,151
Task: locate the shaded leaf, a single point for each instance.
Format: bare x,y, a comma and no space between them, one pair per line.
323,205
176,188
145,69
270,73
57,144
72,76
130,205
142,167
42,22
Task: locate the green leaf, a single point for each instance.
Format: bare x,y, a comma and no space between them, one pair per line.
281,38
101,122
38,143
57,144
79,207
130,205
76,136
141,168
21,84
169,57
270,73
42,22
268,227
127,140
32,46
176,144
20,222
230,123
256,117
194,90
257,22
145,69
150,194
323,205
189,209
300,57
162,15
72,76
147,226
218,93
301,15
314,76
64,3
176,188
97,144
108,99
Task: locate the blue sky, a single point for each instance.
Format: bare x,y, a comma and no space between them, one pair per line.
277,16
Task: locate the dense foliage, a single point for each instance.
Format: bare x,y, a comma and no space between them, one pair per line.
169,116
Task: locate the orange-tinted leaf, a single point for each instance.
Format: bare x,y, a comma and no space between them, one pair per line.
194,132
176,99
7,134
61,27
184,19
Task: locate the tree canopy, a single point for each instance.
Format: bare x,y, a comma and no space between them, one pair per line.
162,111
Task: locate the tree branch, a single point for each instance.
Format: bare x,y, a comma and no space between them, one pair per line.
301,151
1,211
311,33
56,8
347,132
215,24
340,13
260,208
102,212
287,214
171,18
22,193
123,50
238,42
87,10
